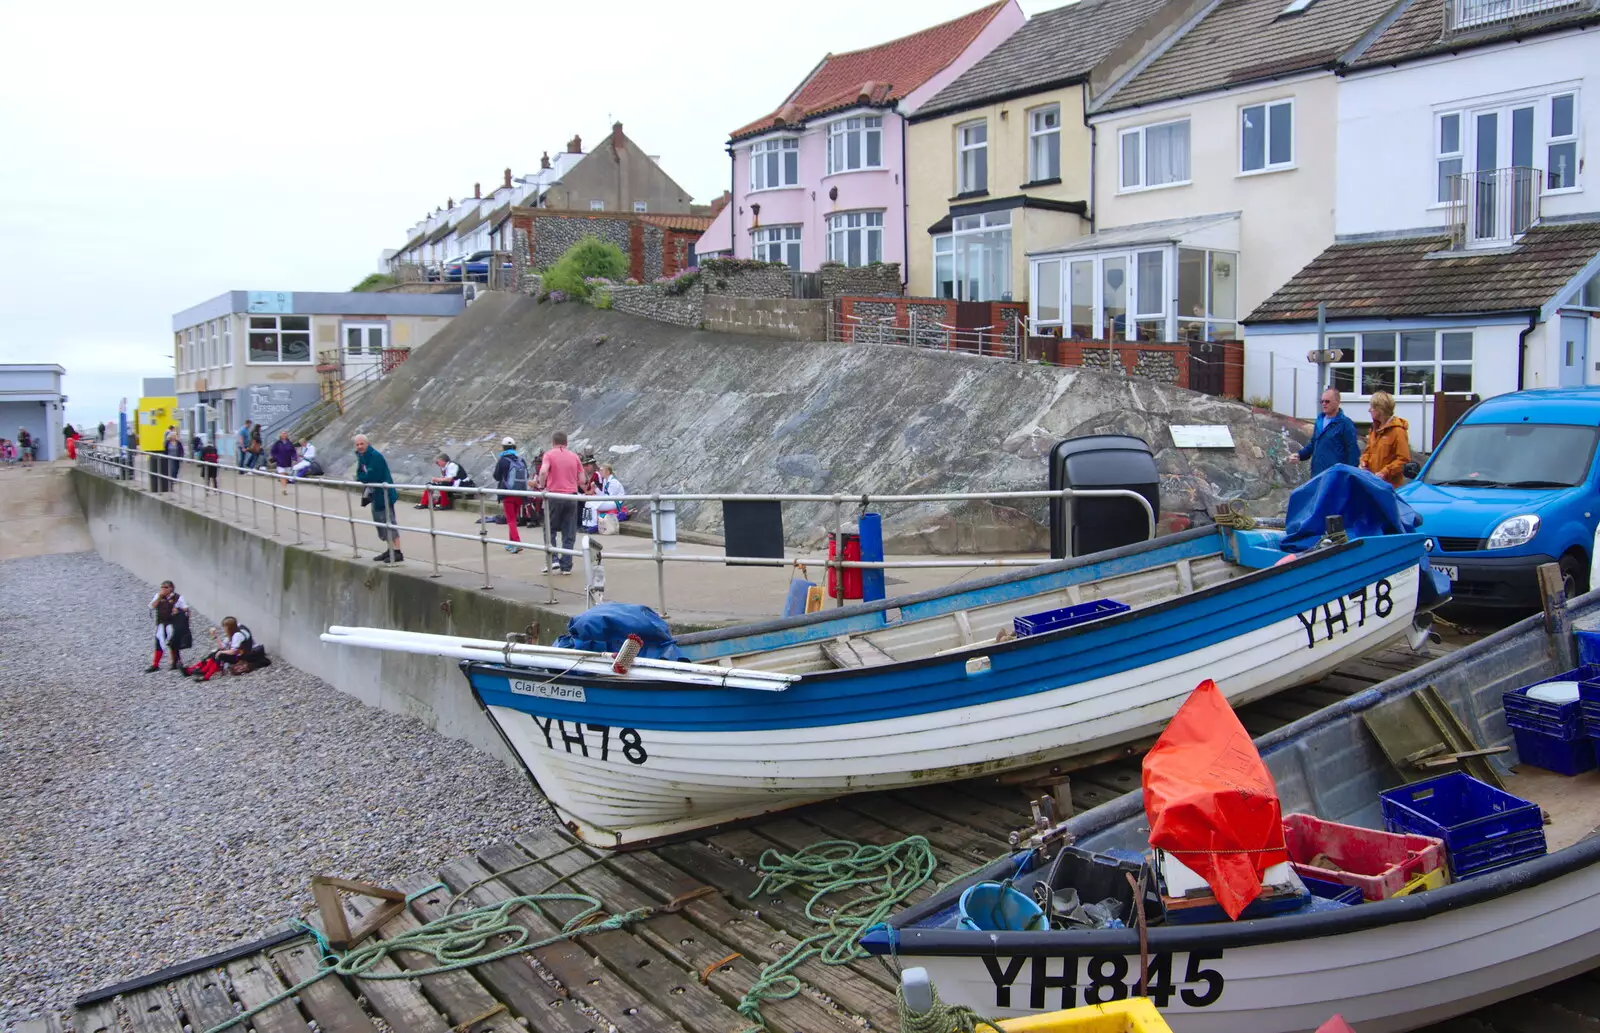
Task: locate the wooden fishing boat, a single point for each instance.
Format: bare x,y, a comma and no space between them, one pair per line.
1385,965
927,688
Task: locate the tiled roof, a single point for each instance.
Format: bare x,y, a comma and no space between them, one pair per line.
877,74
687,223
413,242
1417,277
1051,49
470,223
498,216
1242,41
440,233
1420,31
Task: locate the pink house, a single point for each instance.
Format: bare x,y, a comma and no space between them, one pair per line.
822,178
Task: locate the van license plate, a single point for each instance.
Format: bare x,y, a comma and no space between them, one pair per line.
1451,572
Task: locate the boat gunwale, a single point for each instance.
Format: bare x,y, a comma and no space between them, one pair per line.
903,937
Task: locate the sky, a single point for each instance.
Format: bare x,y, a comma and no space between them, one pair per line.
155,155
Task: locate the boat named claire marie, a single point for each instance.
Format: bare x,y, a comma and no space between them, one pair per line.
931,687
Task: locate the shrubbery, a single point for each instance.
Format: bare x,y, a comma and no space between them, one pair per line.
590,258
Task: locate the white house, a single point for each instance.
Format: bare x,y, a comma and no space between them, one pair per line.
1467,228
31,399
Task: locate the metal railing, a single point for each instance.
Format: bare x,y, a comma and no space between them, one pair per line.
995,341
316,501
1463,15
1493,207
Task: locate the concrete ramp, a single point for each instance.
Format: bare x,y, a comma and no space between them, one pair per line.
41,512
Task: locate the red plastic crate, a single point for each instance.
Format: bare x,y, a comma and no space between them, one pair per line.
1377,863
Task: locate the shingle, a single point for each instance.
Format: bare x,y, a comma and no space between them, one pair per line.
1052,48
1420,31
878,74
1245,40
1399,278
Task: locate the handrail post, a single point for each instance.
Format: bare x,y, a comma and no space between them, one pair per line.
1066,520
297,511
255,514
322,511
433,538
548,533
483,536
274,510
838,551
349,507
660,557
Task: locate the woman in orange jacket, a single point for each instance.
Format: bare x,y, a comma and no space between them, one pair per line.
1388,443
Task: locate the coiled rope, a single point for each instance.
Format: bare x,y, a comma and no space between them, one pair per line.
942,1018
1231,513
882,877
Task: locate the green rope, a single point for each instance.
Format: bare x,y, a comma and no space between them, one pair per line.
454,942
942,1018
885,877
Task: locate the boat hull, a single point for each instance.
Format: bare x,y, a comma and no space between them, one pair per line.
629,766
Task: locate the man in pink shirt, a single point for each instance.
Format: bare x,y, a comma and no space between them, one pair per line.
559,472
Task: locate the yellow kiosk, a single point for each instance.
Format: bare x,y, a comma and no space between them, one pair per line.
151,421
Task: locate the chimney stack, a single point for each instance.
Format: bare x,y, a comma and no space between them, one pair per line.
508,177
616,137
477,191
575,145
544,160
449,203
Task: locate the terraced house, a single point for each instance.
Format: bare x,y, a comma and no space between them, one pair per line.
823,177
1000,159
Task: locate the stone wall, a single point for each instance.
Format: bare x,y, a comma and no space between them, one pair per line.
651,301
882,278
654,253
795,319
554,234
742,278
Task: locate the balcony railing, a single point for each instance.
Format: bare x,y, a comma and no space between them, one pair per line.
1494,207
1464,15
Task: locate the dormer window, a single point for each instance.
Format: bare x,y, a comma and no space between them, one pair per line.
775,163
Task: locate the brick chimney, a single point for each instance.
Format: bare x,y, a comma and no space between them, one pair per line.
544,160
477,191
449,203
617,138
508,178
575,145
720,203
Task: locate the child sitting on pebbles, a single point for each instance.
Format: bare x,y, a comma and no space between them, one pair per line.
172,626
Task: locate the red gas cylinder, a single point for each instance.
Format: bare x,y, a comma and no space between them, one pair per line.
852,575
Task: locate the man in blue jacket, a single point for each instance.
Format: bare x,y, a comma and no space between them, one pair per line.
1334,439
373,470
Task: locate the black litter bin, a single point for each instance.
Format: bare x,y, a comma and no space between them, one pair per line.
1101,461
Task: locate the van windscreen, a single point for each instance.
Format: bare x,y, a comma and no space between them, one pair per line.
1514,455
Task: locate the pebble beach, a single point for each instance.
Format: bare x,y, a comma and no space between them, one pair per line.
151,818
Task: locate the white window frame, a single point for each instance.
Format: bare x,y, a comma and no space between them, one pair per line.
840,130
783,238
596,205
974,180
641,207
1037,138
1123,186
1138,309
278,330
1551,140
1210,320
1265,107
784,147
1443,157
227,341
1356,367
841,225
949,244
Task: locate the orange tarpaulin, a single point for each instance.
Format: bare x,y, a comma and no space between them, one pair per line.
1211,801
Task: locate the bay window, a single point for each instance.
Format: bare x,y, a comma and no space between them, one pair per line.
972,158
1128,294
855,238
973,261
777,244
280,339
1155,155
1406,363
855,143
775,163
1044,143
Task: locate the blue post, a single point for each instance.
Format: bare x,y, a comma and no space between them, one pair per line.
872,586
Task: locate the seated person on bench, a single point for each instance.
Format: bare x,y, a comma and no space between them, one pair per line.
450,475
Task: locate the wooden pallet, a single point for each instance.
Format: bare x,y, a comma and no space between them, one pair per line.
685,971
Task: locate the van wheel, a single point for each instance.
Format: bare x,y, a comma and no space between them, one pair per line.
1574,574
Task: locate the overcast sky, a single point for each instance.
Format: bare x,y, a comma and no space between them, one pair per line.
155,155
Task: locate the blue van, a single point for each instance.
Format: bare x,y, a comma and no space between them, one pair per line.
1513,485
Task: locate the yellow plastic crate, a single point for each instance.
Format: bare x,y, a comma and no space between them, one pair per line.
1427,881
1134,1015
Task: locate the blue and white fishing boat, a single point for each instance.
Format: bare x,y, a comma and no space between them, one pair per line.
1385,965
931,687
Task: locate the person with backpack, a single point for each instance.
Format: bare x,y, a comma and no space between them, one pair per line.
208,466
236,652
25,445
172,626
511,474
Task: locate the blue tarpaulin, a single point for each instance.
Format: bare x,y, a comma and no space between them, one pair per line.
1365,501
604,628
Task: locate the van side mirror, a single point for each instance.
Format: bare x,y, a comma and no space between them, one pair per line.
1411,470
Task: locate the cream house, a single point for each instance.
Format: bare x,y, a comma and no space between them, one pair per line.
1213,175
999,160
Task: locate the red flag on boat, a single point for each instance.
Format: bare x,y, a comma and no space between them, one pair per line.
1210,800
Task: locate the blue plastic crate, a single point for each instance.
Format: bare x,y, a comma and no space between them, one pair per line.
1067,616
1553,752
1497,853
1337,892
1588,645
1460,810
1564,719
